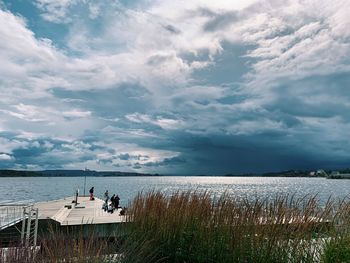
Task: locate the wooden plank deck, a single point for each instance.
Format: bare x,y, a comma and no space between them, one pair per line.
86,212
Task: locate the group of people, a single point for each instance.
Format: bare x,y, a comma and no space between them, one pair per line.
113,204
110,203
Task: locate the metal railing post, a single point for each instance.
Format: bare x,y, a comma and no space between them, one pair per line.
28,226
36,226
76,196
23,224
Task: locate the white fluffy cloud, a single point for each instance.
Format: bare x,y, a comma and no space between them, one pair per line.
5,157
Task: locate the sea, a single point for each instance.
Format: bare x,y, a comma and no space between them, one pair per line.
127,187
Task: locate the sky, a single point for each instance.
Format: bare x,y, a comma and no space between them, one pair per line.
175,87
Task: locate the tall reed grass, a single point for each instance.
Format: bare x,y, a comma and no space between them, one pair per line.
195,227
61,246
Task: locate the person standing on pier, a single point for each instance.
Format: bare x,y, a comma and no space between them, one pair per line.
116,202
92,193
112,200
106,196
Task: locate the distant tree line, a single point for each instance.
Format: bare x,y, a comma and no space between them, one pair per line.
17,173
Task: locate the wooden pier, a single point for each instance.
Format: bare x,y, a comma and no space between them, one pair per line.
68,213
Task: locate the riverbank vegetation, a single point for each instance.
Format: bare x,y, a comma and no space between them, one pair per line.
198,227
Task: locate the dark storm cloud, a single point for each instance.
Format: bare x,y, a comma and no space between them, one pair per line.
166,162
220,154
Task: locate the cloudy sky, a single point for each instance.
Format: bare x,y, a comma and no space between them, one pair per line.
176,87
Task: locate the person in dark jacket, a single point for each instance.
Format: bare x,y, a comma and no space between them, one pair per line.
116,201
112,200
92,193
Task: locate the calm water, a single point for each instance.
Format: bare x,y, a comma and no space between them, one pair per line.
50,188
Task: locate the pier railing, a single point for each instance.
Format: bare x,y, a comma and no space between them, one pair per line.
18,224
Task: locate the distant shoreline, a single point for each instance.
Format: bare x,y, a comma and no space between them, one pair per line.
91,173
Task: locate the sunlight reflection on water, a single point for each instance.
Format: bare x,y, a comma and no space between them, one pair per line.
49,188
